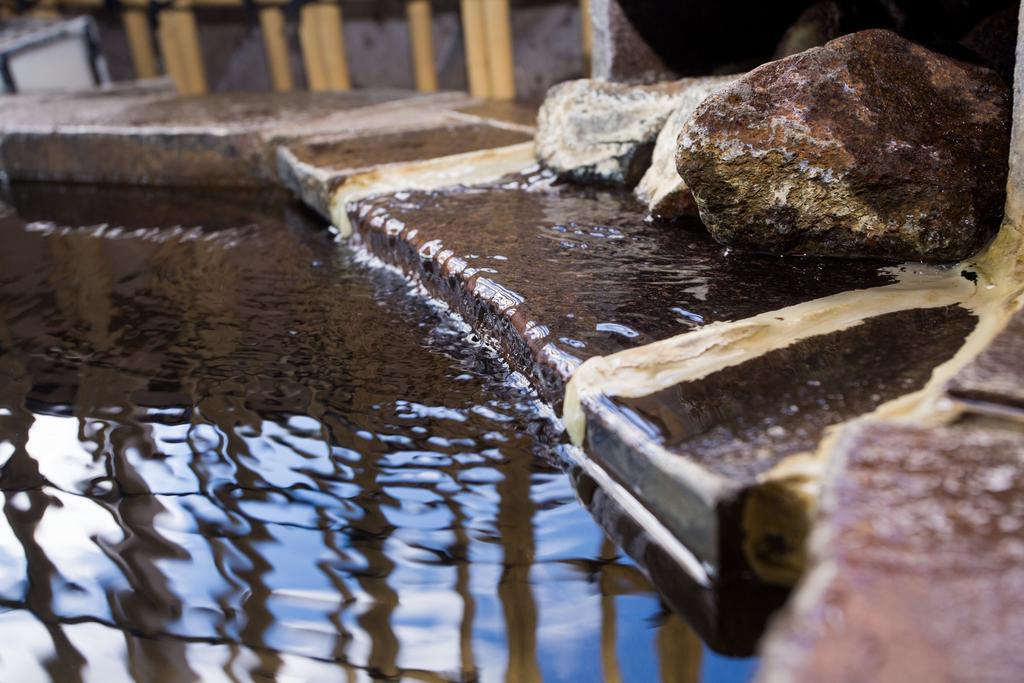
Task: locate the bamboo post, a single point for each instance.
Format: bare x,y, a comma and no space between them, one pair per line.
140,39
276,45
179,43
474,35
499,49
323,47
422,42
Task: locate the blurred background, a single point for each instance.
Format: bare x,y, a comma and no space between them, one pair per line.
253,45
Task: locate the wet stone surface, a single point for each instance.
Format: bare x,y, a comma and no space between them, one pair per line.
917,571
229,450
742,420
140,108
996,376
579,269
252,108
731,614
510,112
412,145
147,136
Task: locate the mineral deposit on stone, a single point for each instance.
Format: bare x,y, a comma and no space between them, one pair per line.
591,131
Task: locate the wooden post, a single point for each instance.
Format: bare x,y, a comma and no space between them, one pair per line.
276,44
474,36
679,651
333,42
169,52
179,44
192,54
45,9
499,49
587,29
140,39
323,47
422,42
309,41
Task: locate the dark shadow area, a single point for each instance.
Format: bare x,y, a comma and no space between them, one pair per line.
695,38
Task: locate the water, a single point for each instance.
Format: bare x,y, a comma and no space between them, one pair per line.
236,452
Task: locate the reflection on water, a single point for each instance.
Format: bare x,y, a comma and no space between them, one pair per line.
233,452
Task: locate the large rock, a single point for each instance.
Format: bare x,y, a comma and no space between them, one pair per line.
661,187
593,131
868,146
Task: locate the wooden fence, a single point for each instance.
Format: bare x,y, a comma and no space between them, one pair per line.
485,24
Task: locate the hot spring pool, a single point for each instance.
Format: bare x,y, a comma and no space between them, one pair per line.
234,450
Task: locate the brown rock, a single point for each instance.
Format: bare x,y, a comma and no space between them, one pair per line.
870,146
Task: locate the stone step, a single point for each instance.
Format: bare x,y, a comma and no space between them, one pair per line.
994,381
144,134
315,168
558,273
917,572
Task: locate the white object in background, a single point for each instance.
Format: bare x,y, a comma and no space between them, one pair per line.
50,55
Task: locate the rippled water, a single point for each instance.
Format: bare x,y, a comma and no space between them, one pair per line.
236,452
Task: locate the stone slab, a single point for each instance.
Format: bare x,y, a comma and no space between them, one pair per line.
722,460
742,420
917,568
151,137
559,272
729,615
996,376
315,167
364,151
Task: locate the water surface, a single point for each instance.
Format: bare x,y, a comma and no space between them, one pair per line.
230,450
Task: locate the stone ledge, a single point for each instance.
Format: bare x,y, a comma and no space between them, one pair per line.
996,376
145,135
913,567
